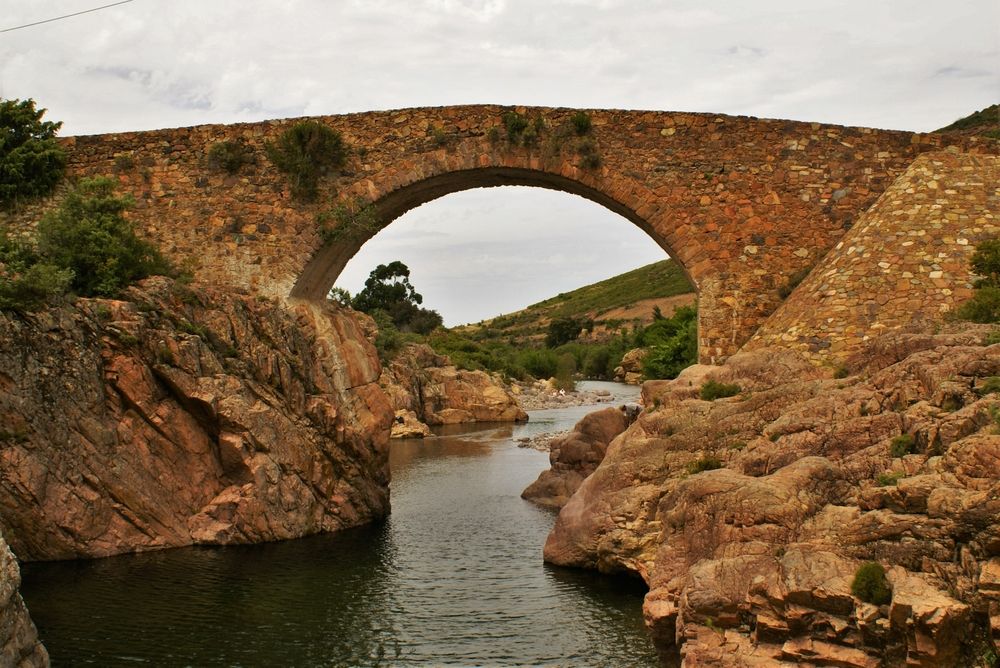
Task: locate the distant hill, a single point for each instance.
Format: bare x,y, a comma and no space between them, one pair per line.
984,123
614,303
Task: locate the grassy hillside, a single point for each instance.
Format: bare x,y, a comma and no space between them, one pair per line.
619,302
985,123
608,318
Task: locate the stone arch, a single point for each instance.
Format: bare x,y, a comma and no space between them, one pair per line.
741,203
322,271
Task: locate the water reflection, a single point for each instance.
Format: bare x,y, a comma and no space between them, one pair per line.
453,577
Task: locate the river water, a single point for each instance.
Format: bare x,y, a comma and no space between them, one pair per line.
453,577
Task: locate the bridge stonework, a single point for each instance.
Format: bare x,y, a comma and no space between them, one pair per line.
741,203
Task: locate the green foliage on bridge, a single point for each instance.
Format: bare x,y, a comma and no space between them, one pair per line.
305,152
31,161
86,246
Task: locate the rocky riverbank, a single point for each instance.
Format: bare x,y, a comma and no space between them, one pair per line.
427,389
180,416
749,516
574,455
542,394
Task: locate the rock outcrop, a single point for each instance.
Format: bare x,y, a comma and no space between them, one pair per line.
19,645
186,416
749,516
425,387
630,370
574,456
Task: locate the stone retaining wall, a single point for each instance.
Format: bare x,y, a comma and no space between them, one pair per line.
903,267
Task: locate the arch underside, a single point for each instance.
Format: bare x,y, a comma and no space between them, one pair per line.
325,267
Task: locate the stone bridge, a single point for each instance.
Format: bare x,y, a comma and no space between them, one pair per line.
741,203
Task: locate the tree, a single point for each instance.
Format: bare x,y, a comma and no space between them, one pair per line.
31,161
388,289
89,235
562,330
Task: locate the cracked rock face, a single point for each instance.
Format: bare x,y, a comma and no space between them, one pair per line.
186,416
425,387
19,644
749,516
574,456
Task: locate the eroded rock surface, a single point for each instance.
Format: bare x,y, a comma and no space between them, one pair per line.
749,516
186,416
428,386
574,456
19,645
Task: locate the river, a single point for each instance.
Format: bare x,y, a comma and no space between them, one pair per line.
453,577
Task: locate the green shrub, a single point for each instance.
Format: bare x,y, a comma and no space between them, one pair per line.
984,307
713,390
539,363
889,479
901,446
31,161
672,343
228,156
340,296
841,372
353,221
986,262
562,330
581,123
515,125
870,584
589,156
33,287
707,463
306,151
388,341
124,162
990,385
992,338
89,235
438,136
565,371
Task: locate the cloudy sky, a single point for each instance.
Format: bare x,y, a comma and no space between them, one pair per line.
146,64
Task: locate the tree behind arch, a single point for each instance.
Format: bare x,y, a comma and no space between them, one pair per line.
388,288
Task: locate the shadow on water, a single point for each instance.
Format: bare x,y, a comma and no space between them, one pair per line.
453,577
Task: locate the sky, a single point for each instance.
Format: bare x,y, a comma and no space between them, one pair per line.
145,64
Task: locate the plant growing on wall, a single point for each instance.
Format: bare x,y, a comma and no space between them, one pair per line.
228,156
305,152
86,245
89,235
31,161
348,221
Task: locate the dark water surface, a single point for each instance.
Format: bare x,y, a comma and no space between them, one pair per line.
453,577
